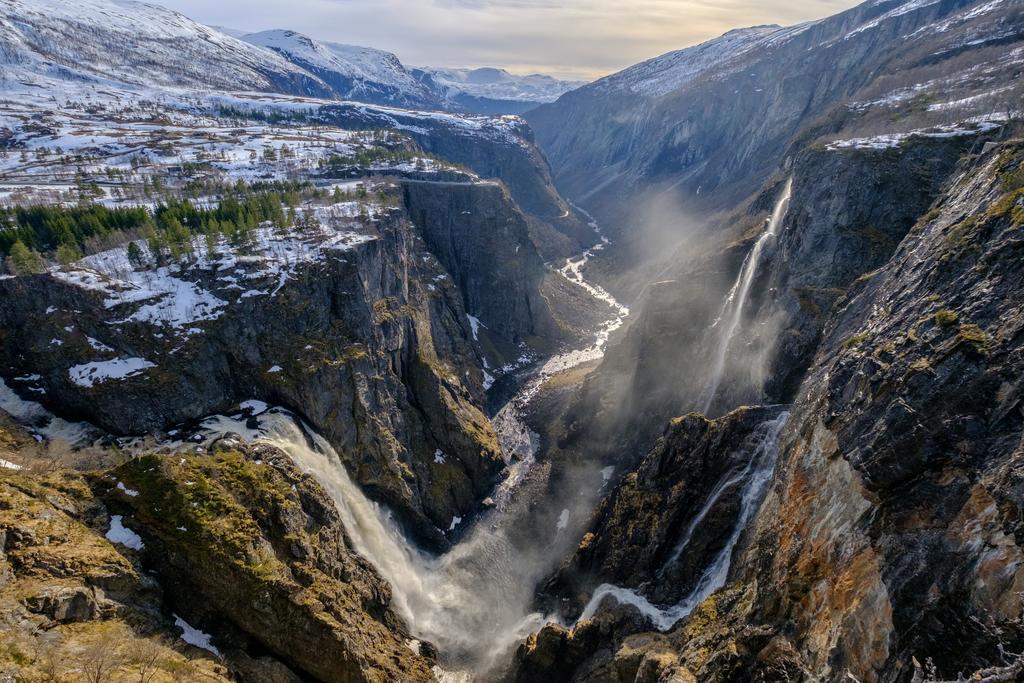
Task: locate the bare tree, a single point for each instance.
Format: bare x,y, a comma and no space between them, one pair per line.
146,654
102,657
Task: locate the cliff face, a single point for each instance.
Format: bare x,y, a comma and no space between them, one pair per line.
500,148
481,239
906,438
891,529
646,531
847,212
708,123
126,573
368,340
248,546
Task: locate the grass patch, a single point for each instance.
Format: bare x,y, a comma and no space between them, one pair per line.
945,317
974,335
854,340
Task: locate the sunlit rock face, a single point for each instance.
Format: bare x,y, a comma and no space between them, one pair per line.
889,534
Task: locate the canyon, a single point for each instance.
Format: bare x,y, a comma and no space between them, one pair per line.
708,370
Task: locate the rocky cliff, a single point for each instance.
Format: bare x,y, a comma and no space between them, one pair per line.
888,545
708,123
847,211
500,148
368,339
125,573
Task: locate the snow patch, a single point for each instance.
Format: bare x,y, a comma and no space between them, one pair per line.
193,636
127,491
97,372
122,535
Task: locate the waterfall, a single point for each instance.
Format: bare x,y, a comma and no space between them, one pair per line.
758,473
732,310
471,602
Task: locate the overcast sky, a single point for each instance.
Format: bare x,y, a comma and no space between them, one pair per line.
566,38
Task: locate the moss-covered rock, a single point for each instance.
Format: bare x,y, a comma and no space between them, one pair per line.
252,549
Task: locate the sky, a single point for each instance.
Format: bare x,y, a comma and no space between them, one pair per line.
581,39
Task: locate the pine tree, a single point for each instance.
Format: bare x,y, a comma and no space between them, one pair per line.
135,256
23,261
67,254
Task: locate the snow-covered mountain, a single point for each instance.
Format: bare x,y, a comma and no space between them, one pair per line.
673,70
498,84
102,40
353,73
378,77
727,111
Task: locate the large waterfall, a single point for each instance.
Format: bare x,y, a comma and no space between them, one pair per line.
471,602
730,319
757,472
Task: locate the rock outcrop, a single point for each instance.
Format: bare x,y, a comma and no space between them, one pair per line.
75,605
484,241
230,565
684,495
369,343
888,547
246,545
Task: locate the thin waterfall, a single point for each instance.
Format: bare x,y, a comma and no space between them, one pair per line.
760,467
732,310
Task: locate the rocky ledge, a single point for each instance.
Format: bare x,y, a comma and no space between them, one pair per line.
230,565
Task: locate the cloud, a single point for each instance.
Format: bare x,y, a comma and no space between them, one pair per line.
569,38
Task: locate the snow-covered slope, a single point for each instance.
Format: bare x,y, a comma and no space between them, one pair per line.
498,84
713,120
137,44
354,73
673,70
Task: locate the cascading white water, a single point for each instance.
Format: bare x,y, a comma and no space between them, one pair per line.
732,310
759,471
471,602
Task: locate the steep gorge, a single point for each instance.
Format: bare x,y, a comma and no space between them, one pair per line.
421,440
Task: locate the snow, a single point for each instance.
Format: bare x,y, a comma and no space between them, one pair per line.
254,407
375,75
8,465
439,456
98,345
122,535
499,84
475,325
194,636
455,522
973,126
97,41
671,71
274,369
127,491
89,374
606,473
166,299
171,298
904,8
